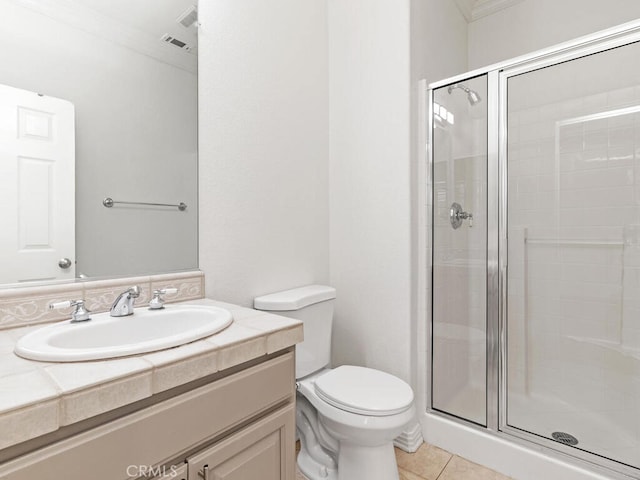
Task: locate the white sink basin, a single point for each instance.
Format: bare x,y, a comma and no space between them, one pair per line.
108,337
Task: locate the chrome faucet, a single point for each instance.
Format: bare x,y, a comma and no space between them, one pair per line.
80,314
123,305
157,302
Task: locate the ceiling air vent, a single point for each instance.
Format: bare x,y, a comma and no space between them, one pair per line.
171,40
189,17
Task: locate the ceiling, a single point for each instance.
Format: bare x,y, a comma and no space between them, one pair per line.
154,17
138,25
475,9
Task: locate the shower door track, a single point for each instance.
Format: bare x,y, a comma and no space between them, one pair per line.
497,76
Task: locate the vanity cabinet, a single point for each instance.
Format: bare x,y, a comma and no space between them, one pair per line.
174,473
256,452
240,426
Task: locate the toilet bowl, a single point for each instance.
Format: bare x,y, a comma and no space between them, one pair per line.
346,417
364,410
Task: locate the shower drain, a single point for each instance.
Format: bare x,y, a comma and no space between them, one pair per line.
565,438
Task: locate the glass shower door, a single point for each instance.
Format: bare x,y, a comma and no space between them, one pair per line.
459,324
573,283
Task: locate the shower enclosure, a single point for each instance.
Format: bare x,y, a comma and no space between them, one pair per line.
535,314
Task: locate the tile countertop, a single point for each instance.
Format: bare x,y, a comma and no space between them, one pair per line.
39,397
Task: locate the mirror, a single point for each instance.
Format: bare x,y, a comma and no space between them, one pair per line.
127,72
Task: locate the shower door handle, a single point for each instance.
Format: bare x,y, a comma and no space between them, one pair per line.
457,215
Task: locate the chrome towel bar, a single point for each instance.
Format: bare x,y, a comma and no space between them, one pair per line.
110,202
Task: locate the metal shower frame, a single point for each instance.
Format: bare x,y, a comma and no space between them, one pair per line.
497,78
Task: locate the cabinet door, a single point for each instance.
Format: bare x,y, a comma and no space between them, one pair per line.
174,473
262,451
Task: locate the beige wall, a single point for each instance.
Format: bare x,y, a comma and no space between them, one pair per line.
264,204
378,53
308,126
369,182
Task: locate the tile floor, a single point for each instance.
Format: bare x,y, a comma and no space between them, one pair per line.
433,463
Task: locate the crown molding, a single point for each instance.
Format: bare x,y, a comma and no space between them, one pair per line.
483,8
74,14
466,8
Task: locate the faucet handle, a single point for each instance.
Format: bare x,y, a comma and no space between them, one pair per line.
80,314
157,302
65,304
134,291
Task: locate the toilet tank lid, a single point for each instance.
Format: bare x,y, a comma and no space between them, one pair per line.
294,299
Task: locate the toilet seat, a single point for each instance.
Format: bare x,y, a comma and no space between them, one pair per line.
364,391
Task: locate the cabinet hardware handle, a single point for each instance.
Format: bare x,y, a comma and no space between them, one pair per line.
204,473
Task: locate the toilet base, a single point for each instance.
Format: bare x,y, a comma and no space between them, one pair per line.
314,470
356,462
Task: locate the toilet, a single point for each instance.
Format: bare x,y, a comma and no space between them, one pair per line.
346,417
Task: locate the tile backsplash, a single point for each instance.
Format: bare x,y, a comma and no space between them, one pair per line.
25,306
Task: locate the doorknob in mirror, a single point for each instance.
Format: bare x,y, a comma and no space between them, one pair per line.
64,263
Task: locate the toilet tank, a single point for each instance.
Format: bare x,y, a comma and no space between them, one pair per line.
312,305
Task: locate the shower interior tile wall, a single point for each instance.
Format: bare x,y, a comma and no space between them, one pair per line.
574,266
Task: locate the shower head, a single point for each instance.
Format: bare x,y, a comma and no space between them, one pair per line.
472,95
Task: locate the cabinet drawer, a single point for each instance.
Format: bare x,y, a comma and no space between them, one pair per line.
170,473
263,450
163,431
